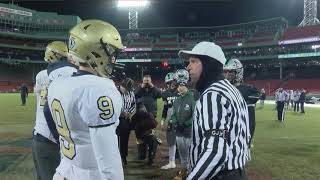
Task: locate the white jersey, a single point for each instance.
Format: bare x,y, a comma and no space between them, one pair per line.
40,91
60,69
79,104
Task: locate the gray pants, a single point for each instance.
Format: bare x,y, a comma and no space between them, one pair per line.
172,153
46,157
183,145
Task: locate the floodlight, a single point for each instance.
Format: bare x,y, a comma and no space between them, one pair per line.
133,3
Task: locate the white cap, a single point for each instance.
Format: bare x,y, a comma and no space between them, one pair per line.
205,48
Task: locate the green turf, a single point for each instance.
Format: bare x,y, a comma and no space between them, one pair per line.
16,124
289,151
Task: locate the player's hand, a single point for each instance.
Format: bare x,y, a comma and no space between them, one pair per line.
150,84
127,115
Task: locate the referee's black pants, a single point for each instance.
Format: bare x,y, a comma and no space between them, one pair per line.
280,109
123,132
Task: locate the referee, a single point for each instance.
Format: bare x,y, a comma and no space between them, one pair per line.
280,99
128,110
220,128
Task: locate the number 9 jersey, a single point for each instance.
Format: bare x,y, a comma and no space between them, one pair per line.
79,104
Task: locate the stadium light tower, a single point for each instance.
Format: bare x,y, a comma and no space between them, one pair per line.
309,13
133,6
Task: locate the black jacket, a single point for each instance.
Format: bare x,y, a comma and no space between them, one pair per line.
148,96
143,123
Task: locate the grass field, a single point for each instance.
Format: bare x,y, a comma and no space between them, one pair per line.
289,151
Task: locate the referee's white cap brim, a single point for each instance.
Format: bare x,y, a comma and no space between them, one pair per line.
205,48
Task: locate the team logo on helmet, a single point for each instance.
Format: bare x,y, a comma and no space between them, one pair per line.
72,43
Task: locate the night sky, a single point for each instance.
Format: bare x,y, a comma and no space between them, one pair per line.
177,13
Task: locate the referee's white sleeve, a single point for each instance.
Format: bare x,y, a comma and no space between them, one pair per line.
212,117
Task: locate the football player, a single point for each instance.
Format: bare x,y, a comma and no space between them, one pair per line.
233,71
45,138
59,67
86,107
168,98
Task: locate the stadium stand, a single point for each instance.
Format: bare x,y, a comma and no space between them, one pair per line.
269,63
301,32
24,33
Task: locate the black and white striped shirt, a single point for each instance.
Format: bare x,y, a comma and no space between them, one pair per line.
220,132
129,102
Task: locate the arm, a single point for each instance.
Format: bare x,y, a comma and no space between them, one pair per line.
253,96
133,107
100,109
37,88
153,122
215,147
157,92
105,148
139,92
188,123
173,118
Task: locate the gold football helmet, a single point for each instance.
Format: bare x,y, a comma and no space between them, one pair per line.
55,51
96,43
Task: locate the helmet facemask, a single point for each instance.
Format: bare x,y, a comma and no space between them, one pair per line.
182,77
234,66
104,60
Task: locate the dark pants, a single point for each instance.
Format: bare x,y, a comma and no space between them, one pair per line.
23,99
280,109
150,144
296,106
302,107
142,151
46,157
237,174
123,145
252,121
123,132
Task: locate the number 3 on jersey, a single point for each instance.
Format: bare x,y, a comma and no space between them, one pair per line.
66,143
106,106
